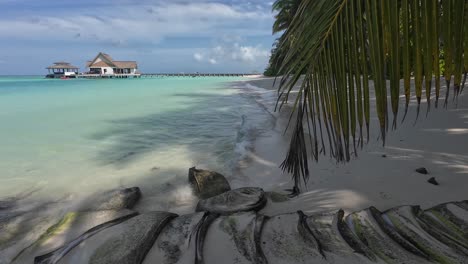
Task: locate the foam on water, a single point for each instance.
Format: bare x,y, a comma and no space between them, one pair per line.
260,120
72,138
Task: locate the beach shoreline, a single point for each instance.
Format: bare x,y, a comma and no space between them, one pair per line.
383,177
379,176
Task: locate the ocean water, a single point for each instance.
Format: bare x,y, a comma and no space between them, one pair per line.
65,139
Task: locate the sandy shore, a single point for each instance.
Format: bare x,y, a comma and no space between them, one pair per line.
438,143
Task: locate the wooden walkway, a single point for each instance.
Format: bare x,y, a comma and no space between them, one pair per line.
155,75
108,76
161,75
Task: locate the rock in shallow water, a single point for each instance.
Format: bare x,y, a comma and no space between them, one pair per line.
113,200
34,229
19,229
238,200
124,243
207,183
71,230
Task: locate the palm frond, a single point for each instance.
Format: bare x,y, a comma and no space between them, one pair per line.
340,46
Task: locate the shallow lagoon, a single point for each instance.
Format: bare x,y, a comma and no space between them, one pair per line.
70,138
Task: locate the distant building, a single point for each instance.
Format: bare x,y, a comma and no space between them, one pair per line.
62,69
103,64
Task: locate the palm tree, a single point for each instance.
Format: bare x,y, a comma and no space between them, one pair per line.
285,11
341,46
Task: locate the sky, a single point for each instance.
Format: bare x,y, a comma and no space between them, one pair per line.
161,35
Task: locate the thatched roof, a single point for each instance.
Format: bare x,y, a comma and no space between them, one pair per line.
62,65
107,61
99,64
126,64
107,56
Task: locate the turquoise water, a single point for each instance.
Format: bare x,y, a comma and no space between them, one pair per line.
68,138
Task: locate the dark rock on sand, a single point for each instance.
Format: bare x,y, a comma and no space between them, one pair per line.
176,243
236,239
132,245
21,226
202,230
207,183
125,243
284,240
433,181
405,234
182,240
72,230
448,223
238,200
406,221
65,231
113,200
367,227
337,242
422,170
276,197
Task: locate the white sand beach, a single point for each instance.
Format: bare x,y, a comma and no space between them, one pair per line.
438,142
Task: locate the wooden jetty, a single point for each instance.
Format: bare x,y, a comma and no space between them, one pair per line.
108,76
159,75
198,74
103,66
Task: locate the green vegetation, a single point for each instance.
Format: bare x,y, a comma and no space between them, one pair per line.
285,10
339,45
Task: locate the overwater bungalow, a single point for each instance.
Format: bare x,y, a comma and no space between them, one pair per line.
103,66
62,69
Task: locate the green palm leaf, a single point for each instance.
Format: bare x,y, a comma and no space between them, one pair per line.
342,48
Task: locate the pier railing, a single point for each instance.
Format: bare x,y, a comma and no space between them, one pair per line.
159,75
103,76
151,75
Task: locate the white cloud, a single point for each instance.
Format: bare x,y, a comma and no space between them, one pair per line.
249,53
145,23
234,52
198,57
212,61
219,51
163,30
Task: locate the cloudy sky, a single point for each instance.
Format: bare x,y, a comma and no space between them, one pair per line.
162,35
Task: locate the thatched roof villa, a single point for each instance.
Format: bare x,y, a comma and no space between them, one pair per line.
104,64
62,69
